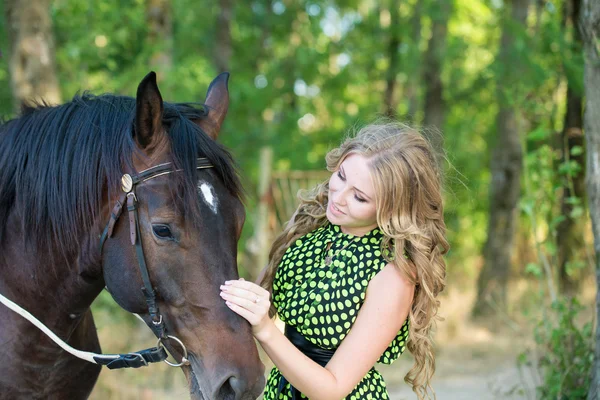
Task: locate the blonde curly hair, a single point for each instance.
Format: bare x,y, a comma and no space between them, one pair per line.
410,214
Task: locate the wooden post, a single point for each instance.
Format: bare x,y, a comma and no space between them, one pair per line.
259,244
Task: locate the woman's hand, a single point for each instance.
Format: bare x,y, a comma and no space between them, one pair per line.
250,301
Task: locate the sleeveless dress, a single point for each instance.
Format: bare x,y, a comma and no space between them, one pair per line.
322,302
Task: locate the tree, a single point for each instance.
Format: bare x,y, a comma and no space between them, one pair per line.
412,87
223,50
31,65
570,231
590,26
394,42
435,105
160,34
506,166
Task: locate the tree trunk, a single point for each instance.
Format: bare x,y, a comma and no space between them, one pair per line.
413,84
506,166
389,101
570,232
590,26
435,106
223,50
160,34
31,63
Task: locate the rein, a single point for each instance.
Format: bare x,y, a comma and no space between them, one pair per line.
146,356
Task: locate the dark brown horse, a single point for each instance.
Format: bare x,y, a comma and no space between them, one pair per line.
60,177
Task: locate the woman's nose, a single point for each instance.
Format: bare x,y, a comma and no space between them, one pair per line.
339,197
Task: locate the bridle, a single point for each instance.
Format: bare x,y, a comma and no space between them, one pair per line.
129,184
143,357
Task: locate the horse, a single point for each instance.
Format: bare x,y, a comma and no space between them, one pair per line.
67,173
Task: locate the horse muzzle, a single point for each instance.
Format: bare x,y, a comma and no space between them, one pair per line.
228,385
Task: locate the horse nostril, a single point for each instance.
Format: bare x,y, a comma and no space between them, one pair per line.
228,391
233,388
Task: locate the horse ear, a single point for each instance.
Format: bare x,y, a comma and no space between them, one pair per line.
217,103
148,112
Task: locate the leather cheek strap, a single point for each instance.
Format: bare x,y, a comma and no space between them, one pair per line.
132,210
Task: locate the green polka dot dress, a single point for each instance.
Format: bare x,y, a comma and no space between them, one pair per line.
322,302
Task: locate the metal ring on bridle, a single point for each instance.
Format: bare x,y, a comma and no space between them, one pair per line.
184,359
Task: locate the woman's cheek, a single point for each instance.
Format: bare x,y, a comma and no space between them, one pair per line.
334,183
364,212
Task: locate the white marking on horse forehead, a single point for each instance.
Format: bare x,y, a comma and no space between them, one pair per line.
208,195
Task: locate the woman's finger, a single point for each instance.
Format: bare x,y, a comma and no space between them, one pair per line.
245,293
250,305
250,286
247,315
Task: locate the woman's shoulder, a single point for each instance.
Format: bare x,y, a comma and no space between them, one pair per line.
391,278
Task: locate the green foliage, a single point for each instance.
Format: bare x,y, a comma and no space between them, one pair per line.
564,348
302,74
566,353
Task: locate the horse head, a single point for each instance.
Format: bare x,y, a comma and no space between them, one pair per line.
189,221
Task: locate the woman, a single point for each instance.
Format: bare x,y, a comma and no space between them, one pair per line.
355,274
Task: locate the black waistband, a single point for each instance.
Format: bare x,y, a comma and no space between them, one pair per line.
317,354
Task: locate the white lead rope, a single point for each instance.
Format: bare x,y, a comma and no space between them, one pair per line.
112,361
84,355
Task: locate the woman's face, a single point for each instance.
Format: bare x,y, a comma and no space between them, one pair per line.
352,197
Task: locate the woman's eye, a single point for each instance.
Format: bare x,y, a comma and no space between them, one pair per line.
341,176
360,199
162,231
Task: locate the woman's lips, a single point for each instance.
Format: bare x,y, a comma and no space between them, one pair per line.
335,210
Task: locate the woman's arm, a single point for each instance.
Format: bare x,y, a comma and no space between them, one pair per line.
387,303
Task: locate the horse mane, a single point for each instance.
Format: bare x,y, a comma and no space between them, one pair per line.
58,164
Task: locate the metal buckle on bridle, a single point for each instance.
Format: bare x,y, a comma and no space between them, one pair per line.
140,357
132,194
184,359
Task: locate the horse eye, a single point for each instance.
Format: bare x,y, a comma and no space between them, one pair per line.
162,231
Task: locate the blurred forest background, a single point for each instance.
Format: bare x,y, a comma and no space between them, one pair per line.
497,84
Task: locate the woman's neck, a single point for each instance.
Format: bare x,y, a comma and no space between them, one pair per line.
358,230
